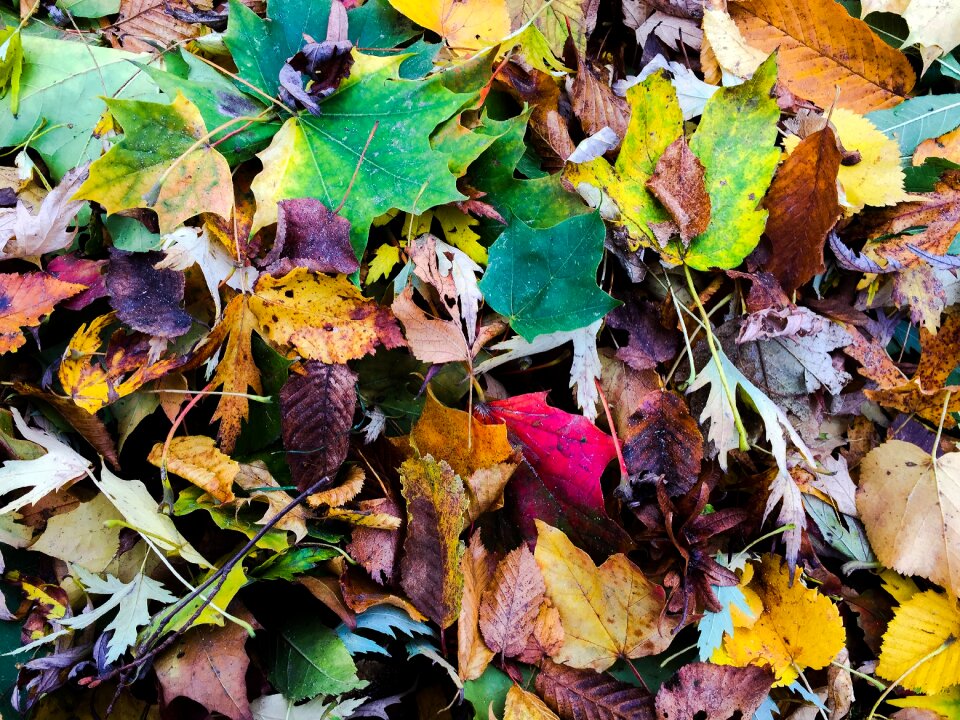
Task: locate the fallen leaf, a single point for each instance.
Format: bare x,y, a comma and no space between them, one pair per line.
147,299
142,24
608,612
25,298
713,692
575,19
82,536
465,25
256,479
523,705
197,459
430,566
678,183
377,550
591,695
310,236
509,607
478,567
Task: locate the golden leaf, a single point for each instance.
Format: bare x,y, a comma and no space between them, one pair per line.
197,459
343,493
465,25
798,628
477,566
607,613
523,705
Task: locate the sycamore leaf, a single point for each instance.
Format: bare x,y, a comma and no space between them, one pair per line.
197,459
432,551
141,513
478,567
164,162
544,281
131,600
799,628
323,318
509,607
464,25
608,612
27,235
43,475
25,298
523,705
920,626
820,47
316,156
878,178
586,694
910,506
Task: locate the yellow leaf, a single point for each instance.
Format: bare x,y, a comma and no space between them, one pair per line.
460,439
921,626
362,518
946,146
608,613
465,25
523,705
946,704
458,230
384,260
910,507
934,26
197,459
343,493
323,318
798,628
655,122
878,178
820,47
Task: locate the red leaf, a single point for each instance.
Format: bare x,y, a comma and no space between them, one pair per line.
568,452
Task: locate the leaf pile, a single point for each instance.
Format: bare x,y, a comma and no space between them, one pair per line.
480,359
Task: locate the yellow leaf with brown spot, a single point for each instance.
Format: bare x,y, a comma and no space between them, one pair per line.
910,507
821,47
197,459
798,628
363,518
926,623
524,705
460,439
608,612
321,317
946,146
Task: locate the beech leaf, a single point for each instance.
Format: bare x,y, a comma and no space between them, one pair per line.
509,607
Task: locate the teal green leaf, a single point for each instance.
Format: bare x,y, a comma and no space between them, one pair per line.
11,66
89,8
164,162
260,47
316,156
918,119
309,659
63,98
383,619
544,280
219,101
735,142
538,202
375,27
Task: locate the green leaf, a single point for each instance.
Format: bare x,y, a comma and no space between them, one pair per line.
309,659
316,157
545,280
11,66
490,688
164,162
735,142
192,498
131,235
218,100
918,119
260,47
293,562
62,99
376,27
89,8
923,178
539,202
946,703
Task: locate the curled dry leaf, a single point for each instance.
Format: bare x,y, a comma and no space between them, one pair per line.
197,459
478,567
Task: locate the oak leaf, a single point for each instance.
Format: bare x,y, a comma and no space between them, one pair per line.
608,612
197,459
430,566
25,298
797,629
910,506
323,318
524,705
509,608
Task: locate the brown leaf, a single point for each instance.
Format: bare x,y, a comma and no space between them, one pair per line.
594,102
253,478
360,594
713,692
209,665
431,339
662,438
311,236
650,342
550,135
678,183
141,21
328,591
510,606
376,550
145,298
430,566
803,206
478,567
587,695
197,459
316,415
24,300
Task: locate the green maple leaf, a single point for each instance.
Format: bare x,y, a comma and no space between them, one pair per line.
60,100
164,163
735,143
544,280
316,156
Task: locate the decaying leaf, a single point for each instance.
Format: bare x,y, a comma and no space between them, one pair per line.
509,608
713,692
591,695
478,567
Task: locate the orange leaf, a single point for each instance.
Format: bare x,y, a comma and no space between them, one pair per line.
24,300
478,566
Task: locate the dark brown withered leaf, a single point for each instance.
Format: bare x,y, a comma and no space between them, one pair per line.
147,299
588,695
663,439
310,235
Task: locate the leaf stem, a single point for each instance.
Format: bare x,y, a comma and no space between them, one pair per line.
943,417
711,341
